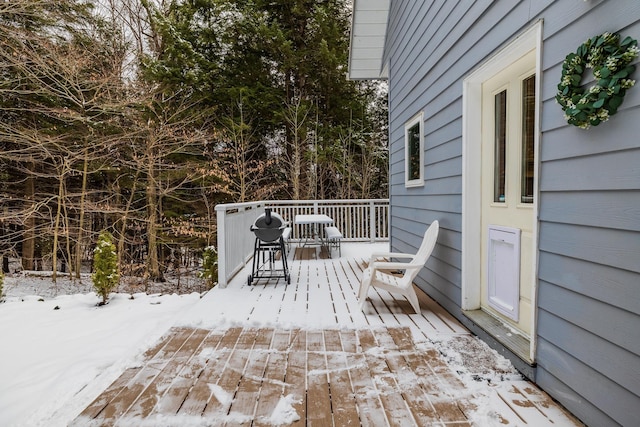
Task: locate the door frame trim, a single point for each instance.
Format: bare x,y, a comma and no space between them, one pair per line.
530,39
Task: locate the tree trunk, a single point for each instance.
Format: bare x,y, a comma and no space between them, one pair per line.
153,266
123,226
4,246
83,194
67,259
29,236
56,227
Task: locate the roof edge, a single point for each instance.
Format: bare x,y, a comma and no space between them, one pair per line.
369,21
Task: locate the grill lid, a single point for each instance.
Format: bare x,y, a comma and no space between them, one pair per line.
269,226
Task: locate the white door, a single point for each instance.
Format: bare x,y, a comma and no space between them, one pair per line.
507,171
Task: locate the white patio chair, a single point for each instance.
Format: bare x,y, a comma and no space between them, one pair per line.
379,272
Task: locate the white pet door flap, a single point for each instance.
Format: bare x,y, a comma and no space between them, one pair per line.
503,270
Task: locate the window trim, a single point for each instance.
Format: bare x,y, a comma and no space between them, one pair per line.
419,120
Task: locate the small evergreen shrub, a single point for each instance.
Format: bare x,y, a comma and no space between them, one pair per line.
210,266
105,266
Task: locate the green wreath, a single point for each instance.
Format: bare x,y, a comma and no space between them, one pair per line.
610,61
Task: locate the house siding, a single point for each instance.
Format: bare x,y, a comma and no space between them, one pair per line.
588,314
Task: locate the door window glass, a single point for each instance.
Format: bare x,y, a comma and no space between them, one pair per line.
528,152
500,147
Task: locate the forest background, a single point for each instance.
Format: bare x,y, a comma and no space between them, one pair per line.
139,116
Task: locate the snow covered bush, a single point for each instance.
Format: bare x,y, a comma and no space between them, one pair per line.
105,266
210,265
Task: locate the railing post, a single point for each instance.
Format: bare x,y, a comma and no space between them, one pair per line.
372,221
222,248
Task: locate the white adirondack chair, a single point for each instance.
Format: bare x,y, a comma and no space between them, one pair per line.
379,272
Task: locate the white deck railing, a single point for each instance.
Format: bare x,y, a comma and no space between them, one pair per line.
358,220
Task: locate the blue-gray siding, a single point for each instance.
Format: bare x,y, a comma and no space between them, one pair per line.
588,335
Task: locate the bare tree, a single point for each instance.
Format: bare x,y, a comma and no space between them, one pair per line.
296,116
166,150
60,87
245,161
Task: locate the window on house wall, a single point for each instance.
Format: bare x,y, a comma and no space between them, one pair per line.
414,152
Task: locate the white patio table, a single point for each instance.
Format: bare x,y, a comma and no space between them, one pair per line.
313,237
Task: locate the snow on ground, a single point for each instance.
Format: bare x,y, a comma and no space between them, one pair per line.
58,353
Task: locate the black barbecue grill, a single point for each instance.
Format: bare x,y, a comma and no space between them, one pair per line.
268,229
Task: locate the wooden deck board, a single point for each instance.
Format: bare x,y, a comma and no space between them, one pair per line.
424,393
176,395
349,341
223,392
367,397
272,388
119,402
394,404
377,367
523,407
294,299
435,314
332,341
369,377
318,397
296,374
442,387
342,299
525,395
196,400
344,408
149,398
100,403
244,401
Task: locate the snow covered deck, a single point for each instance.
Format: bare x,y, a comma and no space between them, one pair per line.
322,294
304,354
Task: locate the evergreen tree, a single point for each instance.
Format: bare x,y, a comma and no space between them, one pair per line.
210,265
284,62
105,266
